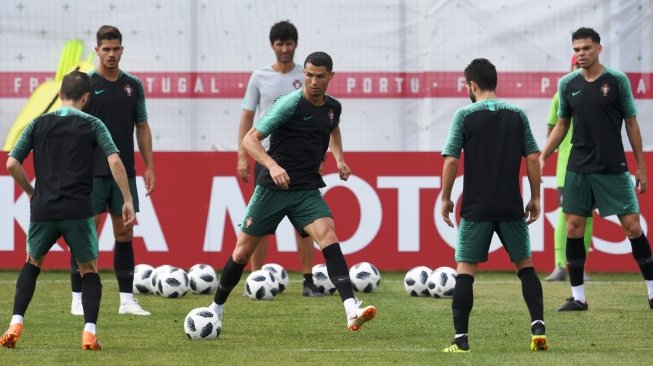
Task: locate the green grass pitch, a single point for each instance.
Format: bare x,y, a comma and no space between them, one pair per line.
294,330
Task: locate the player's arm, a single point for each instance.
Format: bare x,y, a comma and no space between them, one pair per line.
554,139
635,138
252,145
533,207
120,176
144,140
16,170
335,144
449,172
246,123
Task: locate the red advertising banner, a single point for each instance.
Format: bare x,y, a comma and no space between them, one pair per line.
387,213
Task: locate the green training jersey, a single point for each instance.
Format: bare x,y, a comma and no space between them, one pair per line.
565,146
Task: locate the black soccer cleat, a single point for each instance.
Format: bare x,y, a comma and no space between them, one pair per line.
310,290
573,305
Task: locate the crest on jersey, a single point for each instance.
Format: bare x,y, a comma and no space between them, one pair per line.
249,222
128,90
297,84
605,89
331,114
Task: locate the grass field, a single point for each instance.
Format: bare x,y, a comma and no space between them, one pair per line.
293,330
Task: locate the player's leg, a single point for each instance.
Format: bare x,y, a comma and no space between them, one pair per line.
305,250
559,244
257,260
40,238
587,239
641,250
233,270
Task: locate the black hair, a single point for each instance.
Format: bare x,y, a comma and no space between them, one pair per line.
320,59
108,32
75,85
582,33
283,31
483,73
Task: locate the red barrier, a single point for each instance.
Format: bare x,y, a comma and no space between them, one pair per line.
387,214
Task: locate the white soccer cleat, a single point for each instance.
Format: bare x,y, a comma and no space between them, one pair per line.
363,315
132,308
76,308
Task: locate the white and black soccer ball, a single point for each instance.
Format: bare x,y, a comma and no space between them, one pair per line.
261,285
142,274
202,279
365,277
321,279
154,277
441,282
280,273
415,281
172,282
202,323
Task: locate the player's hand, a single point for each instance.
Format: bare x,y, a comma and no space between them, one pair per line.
280,176
532,211
641,183
344,171
447,208
242,168
128,214
150,181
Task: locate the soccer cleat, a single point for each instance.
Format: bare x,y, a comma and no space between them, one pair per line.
89,342
363,315
538,339
132,308
460,344
76,308
310,290
558,274
573,305
11,336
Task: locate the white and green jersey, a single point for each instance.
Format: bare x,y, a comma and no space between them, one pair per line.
266,85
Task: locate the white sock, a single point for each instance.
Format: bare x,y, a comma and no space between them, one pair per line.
218,309
649,287
460,335
537,321
578,292
16,319
77,297
126,297
350,307
89,327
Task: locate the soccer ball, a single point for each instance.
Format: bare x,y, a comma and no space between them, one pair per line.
261,285
202,323
441,282
415,281
321,279
172,282
154,277
142,273
202,279
365,277
280,273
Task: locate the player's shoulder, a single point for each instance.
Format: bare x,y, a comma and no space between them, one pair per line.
262,71
616,73
332,102
130,77
566,79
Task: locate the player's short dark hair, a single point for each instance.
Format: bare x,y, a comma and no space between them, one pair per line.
75,85
582,33
283,31
320,58
483,73
108,32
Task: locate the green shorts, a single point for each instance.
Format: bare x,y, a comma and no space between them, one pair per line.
106,195
474,238
80,235
268,207
611,194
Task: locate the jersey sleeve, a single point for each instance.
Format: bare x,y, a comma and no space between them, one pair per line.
252,95
103,137
454,143
530,146
553,111
626,99
279,113
141,111
564,110
24,145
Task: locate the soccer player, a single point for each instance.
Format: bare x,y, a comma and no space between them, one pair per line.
119,101
60,205
301,126
265,86
495,136
560,233
599,99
